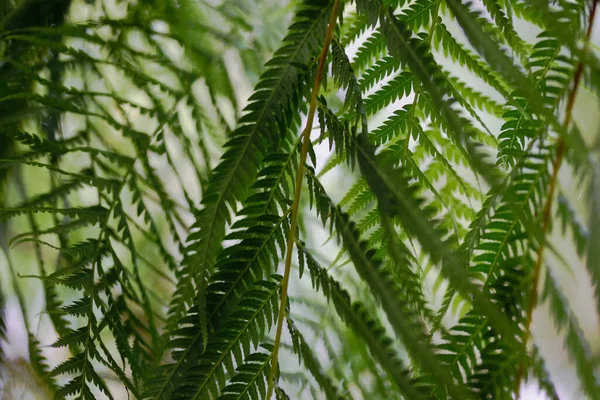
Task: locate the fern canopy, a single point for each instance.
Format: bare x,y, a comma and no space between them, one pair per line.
157,161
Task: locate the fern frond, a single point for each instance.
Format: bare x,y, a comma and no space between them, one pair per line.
498,59
415,15
551,71
245,262
442,40
397,88
394,195
262,126
369,268
506,27
174,380
80,365
593,258
306,355
568,217
366,327
255,313
415,53
574,341
248,382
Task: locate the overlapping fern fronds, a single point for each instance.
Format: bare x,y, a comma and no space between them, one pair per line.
147,196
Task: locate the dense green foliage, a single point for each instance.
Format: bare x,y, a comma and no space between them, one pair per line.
146,202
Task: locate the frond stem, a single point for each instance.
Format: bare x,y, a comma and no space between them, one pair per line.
560,150
298,189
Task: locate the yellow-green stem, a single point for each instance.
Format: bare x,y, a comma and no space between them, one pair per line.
298,190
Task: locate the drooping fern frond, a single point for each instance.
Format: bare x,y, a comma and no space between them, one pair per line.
262,127
305,354
194,376
574,339
367,328
249,380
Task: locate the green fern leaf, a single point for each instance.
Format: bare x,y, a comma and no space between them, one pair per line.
248,382
262,126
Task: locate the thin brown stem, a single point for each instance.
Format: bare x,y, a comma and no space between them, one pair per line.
560,151
298,190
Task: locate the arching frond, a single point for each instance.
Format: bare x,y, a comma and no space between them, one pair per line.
261,128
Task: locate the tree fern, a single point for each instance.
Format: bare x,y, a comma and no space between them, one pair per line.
150,199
